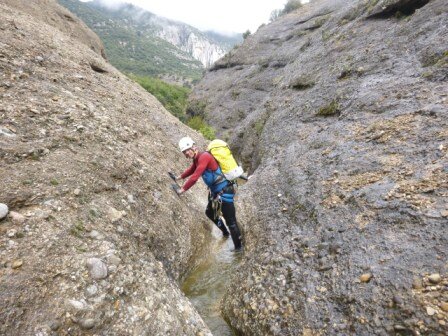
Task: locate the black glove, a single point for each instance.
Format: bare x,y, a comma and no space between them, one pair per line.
176,188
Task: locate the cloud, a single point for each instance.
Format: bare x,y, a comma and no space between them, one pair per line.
225,17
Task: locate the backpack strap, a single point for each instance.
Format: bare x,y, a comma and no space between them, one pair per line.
221,177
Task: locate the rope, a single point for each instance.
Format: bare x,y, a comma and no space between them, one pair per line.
217,207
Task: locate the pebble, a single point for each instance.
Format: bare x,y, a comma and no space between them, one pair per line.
444,306
97,268
417,283
114,215
77,192
113,260
91,290
365,277
78,305
55,325
17,218
435,278
6,132
430,311
87,323
96,235
11,233
3,210
399,327
17,263
433,214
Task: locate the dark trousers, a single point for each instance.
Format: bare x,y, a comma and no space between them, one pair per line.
229,213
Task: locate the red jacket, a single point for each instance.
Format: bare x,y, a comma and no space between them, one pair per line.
201,162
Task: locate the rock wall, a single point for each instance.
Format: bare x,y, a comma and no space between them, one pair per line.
95,241
57,16
340,111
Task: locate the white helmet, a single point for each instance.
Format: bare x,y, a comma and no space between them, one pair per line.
185,143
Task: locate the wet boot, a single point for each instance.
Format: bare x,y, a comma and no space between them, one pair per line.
236,235
220,224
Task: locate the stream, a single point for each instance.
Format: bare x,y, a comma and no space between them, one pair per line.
206,284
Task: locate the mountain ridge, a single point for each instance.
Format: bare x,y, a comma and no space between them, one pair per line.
140,42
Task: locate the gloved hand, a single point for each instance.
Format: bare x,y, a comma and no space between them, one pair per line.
177,189
173,177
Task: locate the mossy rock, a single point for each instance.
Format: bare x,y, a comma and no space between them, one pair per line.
302,83
196,108
329,110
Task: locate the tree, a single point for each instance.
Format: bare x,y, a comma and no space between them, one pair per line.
246,34
275,14
291,5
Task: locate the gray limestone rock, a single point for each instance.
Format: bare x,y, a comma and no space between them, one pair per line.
97,268
3,210
338,109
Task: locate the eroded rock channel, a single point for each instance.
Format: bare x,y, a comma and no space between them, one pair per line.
340,111
207,283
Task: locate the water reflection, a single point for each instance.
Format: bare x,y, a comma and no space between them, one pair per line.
206,285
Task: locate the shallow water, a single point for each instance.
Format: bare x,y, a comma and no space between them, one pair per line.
206,284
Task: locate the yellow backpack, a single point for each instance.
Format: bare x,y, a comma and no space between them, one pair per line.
221,152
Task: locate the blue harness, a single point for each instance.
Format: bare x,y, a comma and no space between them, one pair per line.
218,185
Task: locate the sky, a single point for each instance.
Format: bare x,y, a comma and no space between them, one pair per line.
224,16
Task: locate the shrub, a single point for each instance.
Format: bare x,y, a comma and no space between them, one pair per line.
196,108
172,97
197,123
208,132
291,5
329,110
275,14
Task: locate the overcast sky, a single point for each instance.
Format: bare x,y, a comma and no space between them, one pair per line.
225,16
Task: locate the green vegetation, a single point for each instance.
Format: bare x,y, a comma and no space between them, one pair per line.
197,123
302,83
131,44
329,110
196,108
259,125
437,59
77,229
290,6
172,97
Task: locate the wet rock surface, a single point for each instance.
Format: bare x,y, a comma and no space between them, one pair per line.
340,111
78,255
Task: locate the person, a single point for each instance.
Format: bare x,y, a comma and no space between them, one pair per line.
221,191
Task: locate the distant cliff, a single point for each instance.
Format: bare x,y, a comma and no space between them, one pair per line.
190,40
142,43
